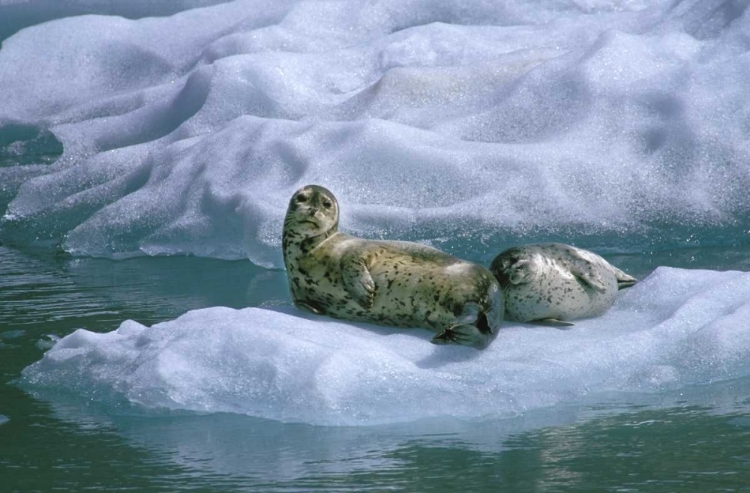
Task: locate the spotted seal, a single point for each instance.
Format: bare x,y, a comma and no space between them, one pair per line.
550,283
386,282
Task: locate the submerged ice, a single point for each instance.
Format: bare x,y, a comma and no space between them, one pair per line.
675,329
429,121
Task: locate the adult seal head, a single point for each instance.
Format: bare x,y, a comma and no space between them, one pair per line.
550,283
386,282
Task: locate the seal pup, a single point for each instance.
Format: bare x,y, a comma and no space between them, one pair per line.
386,282
550,283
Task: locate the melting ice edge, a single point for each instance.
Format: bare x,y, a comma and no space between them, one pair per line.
674,329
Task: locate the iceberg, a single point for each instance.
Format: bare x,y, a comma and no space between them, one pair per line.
675,330
609,124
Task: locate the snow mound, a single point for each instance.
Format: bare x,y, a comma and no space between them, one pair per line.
429,120
675,329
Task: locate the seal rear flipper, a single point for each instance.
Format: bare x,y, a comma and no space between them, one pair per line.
625,284
465,335
444,337
551,322
470,328
623,280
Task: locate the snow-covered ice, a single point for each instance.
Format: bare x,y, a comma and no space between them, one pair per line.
675,329
429,120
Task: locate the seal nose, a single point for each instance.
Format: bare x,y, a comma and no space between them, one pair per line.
313,211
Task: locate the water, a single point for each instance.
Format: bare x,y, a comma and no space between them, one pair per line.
693,439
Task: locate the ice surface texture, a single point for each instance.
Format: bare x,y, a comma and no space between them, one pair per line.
674,329
428,120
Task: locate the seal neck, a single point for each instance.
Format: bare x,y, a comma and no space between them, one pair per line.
295,245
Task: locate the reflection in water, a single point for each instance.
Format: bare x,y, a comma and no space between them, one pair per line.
27,144
681,447
651,450
42,293
59,292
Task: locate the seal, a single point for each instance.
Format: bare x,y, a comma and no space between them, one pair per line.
394,283
549,283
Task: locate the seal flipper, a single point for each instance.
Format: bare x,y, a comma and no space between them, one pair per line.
465,335
583,268
625,284
623,280
471,329
358,281
586,272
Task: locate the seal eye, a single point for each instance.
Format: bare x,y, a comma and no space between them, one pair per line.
327,204
301,198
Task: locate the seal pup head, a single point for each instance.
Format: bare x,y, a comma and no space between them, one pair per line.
515,266
312,211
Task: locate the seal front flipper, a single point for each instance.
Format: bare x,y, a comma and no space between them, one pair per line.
586,272
357,280
391,283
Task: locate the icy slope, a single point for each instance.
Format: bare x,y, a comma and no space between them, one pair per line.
429,120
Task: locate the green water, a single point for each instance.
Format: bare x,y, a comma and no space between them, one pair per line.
695,440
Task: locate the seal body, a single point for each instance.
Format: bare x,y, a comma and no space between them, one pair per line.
386,282
554,282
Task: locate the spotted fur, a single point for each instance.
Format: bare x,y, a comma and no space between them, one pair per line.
386,282
556,282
